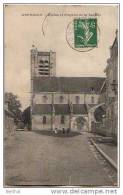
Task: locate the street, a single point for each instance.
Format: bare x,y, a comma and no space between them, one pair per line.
35,158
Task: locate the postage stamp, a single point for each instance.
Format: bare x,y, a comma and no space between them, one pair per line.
85,33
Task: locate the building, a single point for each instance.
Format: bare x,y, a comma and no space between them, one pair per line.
97,113
107,108
58,101
112,90
43,63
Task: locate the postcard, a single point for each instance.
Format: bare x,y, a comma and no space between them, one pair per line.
61,95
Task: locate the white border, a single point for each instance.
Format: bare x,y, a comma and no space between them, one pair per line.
37,191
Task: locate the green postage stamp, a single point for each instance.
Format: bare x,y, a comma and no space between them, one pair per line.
85,32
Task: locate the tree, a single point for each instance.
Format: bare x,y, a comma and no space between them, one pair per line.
14,105
80,122
100,113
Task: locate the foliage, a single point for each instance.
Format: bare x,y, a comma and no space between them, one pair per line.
14,105
80,122
99,113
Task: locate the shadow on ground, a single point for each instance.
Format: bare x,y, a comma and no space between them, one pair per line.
104,140
59,134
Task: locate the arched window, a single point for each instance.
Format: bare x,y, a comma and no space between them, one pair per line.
41,61
45,99
46,61
92,100
61,99
44,120
77,99
40,66
62,119
92,89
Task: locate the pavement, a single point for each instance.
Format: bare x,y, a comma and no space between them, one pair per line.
36,158
108,147
110,150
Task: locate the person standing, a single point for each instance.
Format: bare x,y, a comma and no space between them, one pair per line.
63,130
55,130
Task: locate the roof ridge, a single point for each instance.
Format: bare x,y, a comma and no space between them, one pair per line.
67,84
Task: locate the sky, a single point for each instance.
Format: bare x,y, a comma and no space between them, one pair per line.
23,28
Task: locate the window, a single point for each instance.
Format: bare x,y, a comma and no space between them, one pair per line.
41,61
45,98
46,61
43,70
77,99
44,120
92,89
92,100
61,99
40,66
62,119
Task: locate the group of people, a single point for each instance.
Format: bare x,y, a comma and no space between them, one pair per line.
64,131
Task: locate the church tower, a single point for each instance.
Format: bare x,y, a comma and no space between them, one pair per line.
43,64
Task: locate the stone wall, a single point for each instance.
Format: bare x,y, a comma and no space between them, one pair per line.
37,122
48,98
9,126
58,124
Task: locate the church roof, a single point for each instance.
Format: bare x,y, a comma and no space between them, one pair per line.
79,109
42,109
59,109
62,108
67,84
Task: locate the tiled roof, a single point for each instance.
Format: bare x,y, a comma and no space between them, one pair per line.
42,109
79,109
59,109
67,84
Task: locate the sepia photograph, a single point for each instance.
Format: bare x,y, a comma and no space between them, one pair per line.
61,81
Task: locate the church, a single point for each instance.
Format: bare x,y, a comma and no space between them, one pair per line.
57,102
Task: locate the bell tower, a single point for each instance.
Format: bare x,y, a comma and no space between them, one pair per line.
43,64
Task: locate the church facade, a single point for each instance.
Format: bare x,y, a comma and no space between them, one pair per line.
57,101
